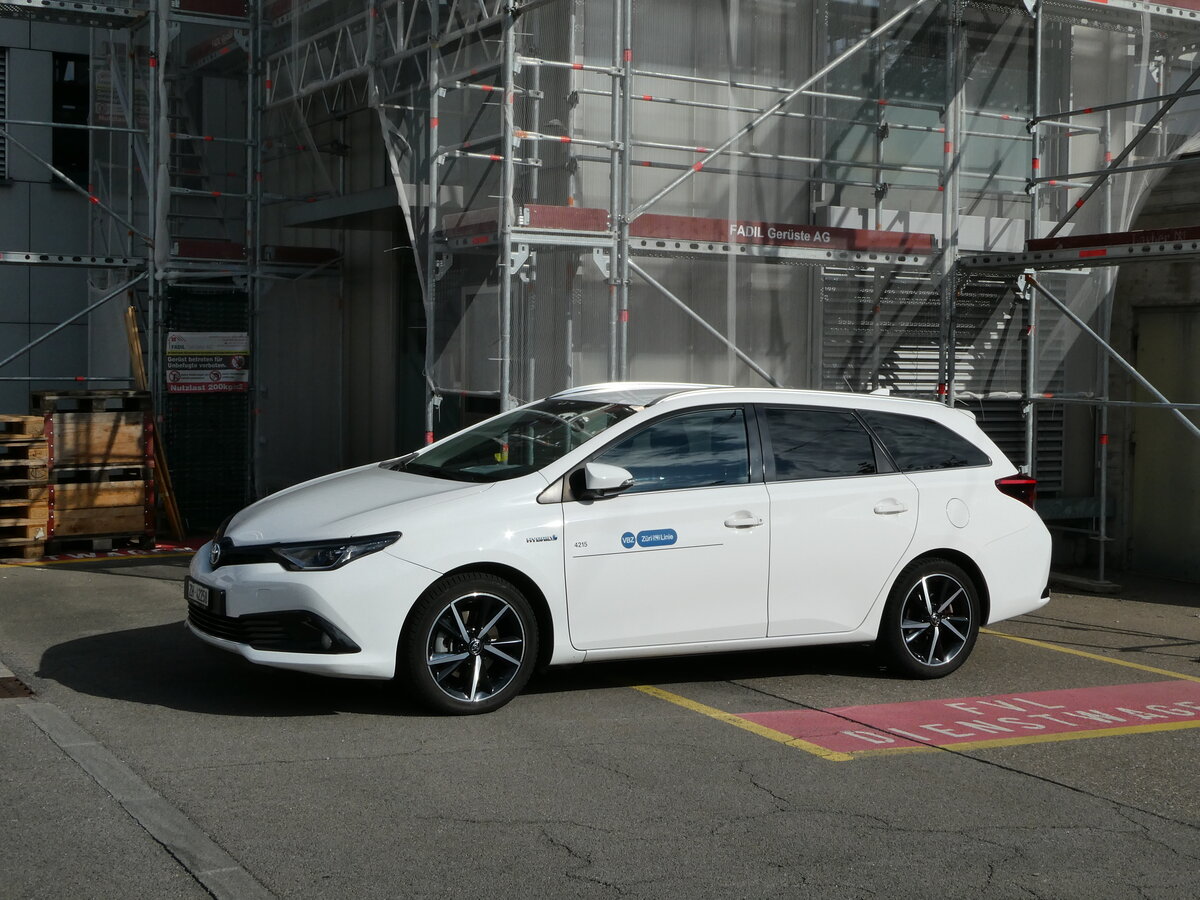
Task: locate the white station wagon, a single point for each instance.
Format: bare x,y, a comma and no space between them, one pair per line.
633,520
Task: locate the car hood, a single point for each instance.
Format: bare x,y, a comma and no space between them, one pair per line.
366,500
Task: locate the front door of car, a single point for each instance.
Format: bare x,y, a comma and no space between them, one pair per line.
682,555
840,519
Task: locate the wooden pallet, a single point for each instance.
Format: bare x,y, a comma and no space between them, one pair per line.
24,448
90,401
18,428
18,492
97,438
24,460
22,528
24,507
14,548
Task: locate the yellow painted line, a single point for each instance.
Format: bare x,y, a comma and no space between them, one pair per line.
1108,659
745,724
1033,739
36,563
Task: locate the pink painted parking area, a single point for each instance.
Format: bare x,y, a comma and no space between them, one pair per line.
995,720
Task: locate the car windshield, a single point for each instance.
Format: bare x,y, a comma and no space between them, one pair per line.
517,443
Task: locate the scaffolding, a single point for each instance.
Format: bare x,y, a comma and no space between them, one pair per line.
924,197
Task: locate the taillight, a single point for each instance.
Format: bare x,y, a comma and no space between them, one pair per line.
1019,487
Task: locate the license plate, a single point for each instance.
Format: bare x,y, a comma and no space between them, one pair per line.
197,593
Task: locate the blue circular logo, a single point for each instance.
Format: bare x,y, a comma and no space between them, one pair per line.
628,540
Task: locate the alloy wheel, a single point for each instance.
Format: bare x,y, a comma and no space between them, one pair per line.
475,647
935,619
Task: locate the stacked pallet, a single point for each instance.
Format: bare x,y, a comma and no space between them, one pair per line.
97,469
24,486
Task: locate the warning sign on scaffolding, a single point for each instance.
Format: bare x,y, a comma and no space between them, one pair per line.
111,103
208,362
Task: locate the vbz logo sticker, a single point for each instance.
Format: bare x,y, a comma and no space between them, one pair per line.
656,537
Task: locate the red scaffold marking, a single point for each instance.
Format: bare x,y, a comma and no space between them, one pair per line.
1085,253
1104,440
1078,203
1008,718
696,167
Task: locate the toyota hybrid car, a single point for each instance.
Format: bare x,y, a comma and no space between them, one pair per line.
633,520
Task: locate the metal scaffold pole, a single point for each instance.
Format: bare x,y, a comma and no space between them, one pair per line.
626,64
433,169
618,152
952,155
507,218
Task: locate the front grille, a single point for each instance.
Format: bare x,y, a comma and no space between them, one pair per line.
290,632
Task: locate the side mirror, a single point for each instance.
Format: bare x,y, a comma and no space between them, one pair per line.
602,480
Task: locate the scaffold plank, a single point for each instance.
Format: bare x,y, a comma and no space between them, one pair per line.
653,234
1087,250
33,258
69,12
1181,10
234,9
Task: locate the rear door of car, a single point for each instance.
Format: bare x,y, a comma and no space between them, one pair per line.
841,518
682,556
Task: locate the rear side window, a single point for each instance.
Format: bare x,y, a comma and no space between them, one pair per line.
818,443
918,444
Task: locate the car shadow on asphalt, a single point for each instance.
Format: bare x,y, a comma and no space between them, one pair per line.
846,660
163,665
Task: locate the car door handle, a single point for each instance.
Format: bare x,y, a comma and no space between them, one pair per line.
889,508
743,519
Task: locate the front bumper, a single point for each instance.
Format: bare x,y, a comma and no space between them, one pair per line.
345,622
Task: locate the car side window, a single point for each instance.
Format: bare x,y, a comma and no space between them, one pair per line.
918,444
818,443
704,448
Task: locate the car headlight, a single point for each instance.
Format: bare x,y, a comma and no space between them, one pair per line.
322,556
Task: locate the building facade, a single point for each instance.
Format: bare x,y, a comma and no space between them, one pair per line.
423,212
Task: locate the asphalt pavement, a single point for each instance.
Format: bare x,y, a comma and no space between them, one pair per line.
136,762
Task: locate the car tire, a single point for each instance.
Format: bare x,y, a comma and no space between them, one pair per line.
931,620
470,644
